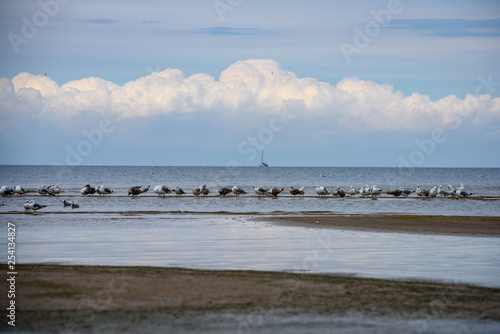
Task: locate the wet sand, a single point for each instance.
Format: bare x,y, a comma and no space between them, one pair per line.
484,226
58,298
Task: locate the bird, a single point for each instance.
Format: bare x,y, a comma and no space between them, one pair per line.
198,190
204,190
421,192
461,192
75,205
35,206
162,190
396,192
87,190
102,190
363,191
66,203
134,191
54,190
433,192
6,191
27,205
259,190
451,191
406,192
19,190
375,191
238,191
341,193
145,189
224,191
321,191
335,192
42,190
352,191
178,191
442,192
295,191
274,192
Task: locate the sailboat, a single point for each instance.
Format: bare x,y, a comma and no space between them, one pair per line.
262,163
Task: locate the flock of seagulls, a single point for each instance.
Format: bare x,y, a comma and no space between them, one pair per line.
162,190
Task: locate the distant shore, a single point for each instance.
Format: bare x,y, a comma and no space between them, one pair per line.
75,298
477,226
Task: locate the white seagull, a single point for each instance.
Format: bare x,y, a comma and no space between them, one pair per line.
35,206
322,191
259,190
19,190
238,191
6,191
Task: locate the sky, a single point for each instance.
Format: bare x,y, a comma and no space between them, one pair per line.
217,82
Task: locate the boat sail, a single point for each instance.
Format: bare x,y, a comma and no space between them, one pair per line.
262,163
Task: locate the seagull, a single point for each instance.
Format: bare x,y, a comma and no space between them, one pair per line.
341,193
260,191
275,191
102,190
145,189
178,191
35,206
375,191
321,191
352,191
451,191
363,191
75,205
406,192
295,191
134,191
43,190
461,192
224,191
433,191
87,190
442,192
162,190
238,191
198,190
54,190
204,190
27,205
6,191
65,203
19,190
421,192
335,192
396,192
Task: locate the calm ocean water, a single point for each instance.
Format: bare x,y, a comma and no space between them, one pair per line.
218,233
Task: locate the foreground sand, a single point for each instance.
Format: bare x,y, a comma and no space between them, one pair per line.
484,226
72,299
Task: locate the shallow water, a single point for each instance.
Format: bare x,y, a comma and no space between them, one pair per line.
235,242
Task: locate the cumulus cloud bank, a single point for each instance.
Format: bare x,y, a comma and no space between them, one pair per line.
245,87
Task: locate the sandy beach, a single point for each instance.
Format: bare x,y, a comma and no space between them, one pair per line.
482,226
58,298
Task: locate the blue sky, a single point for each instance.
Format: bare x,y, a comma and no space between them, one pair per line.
215,82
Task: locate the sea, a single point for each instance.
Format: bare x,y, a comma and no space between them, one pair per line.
213,232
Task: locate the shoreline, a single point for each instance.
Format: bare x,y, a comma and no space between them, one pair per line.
475,226
49,297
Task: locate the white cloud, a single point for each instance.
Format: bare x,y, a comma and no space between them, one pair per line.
245,87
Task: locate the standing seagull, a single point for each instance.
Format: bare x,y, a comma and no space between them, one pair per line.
259,190
352,191
134,191
275,191
27,205
238,191
178,191
295,191
321,191
19,190
224,191
43,190
6,191
102,190
162,190
145,189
